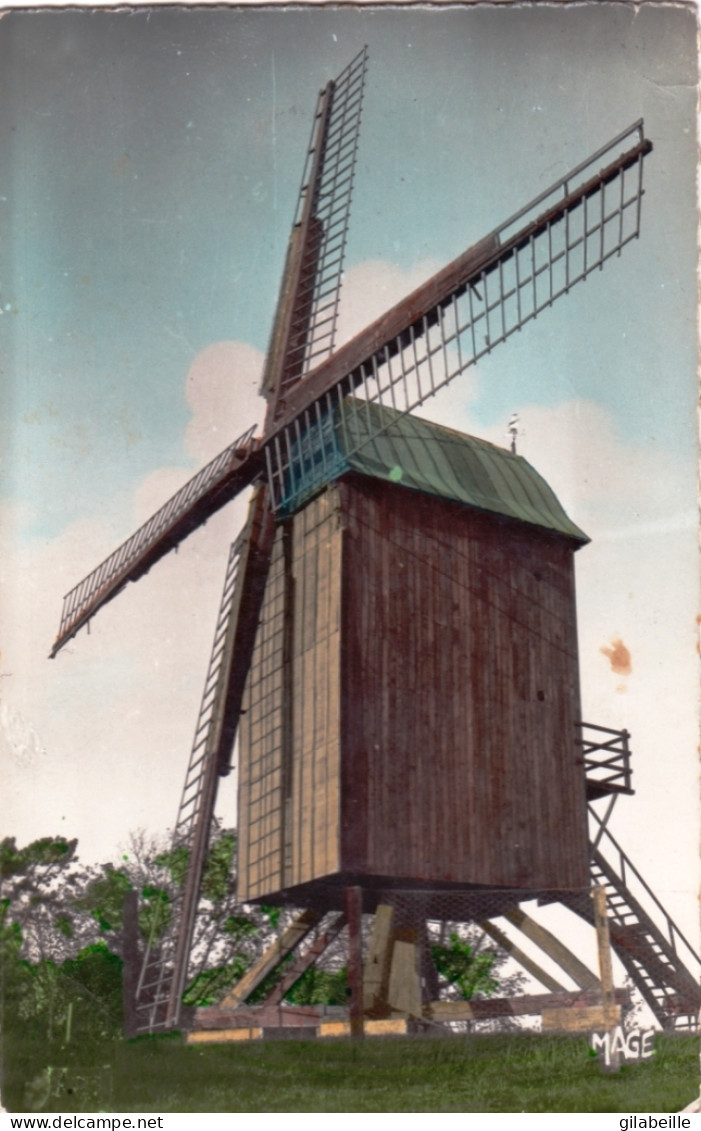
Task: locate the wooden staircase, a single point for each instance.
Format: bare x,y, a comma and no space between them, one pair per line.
660,961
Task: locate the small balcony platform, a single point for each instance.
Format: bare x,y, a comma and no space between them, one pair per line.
606,760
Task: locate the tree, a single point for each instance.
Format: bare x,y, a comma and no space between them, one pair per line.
471,966
228,935
466,967
62,930
37,884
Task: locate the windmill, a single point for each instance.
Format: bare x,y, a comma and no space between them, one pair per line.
328,410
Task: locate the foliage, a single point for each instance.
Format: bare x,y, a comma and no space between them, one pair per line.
209,986
227,936
469,970
320,987
272,913
175,862
40,854
155,914
61,929
218,870
239,926
83,993
37,884
104,898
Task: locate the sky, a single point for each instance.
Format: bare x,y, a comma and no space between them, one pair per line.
152,161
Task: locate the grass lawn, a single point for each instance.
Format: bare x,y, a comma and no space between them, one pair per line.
508,1073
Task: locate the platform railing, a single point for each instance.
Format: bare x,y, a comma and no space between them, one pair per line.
606,759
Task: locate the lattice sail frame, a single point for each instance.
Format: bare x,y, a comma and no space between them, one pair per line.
164,530
325,195
162,979
478,301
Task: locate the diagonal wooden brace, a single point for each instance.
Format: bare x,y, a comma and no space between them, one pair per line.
289,939
303,961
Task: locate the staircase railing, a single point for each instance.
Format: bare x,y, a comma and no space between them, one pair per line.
626,871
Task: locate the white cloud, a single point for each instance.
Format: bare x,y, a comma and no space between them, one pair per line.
372,287
222,392
23,742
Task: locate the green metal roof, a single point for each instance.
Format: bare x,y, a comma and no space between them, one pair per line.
422,456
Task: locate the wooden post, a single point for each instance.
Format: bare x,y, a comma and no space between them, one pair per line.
518,955
603,942
353,898
377,964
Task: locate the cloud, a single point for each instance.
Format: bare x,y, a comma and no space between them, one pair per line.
22,741
372,287
608,481
222,393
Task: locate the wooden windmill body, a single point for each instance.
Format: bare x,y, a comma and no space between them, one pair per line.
396,642
409,716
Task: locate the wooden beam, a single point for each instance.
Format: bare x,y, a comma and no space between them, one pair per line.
404,991
523,1005
603,943
288,940
303,961
610,1015
353,901
518,955
378,961
261,1014
581,1019
580,974
449,1011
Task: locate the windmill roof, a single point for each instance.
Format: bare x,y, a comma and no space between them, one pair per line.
422,456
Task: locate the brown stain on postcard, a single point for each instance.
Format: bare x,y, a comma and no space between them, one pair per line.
619,657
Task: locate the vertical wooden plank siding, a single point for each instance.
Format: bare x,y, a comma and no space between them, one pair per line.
316,688
289,795
433,689
460,693
260,802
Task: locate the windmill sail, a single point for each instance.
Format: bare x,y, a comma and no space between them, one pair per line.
164,974
213,486
156,989
473,304
303,329
305,323
303,334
